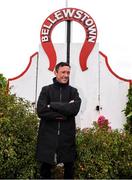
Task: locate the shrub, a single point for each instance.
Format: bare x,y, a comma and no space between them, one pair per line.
128,111
103,154
18,132
3,81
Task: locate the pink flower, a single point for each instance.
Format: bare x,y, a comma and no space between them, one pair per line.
103,122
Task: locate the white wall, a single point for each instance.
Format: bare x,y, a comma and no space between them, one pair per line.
96,86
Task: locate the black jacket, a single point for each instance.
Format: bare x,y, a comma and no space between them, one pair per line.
57,106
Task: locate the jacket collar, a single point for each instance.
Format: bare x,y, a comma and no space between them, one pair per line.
58,84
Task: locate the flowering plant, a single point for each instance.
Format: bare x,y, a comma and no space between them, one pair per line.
102,122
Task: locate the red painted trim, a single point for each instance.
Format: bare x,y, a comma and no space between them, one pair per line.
20,75
111,71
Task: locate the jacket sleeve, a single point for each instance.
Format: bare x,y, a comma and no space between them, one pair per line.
70,108
43,110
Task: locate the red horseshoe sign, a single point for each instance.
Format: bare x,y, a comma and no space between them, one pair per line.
71,14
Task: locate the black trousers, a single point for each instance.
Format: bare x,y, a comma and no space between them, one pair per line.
45,170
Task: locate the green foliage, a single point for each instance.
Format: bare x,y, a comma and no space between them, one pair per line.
18,132
128,112
103,154
3,81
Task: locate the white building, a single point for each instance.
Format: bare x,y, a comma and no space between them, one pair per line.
102,91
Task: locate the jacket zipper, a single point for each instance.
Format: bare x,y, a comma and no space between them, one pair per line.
59,121
58,130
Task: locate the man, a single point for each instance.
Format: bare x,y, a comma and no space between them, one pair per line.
57,106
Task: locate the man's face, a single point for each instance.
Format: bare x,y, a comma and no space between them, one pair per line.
62,75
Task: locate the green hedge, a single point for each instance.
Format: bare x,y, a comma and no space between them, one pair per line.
3,81
128,111
104,154
18,132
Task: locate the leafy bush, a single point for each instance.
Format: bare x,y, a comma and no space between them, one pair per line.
103,154
3,81
18,132
128,111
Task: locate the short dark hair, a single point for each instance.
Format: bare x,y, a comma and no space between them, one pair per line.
61,64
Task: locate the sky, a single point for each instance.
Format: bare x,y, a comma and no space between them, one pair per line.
21,21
